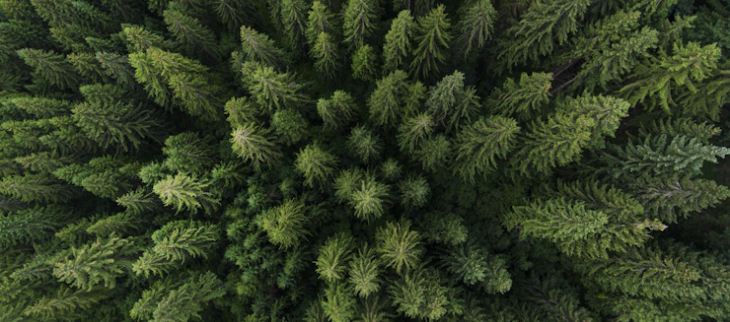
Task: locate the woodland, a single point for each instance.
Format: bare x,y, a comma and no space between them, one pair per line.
364,160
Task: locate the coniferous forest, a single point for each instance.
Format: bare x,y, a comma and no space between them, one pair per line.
364,160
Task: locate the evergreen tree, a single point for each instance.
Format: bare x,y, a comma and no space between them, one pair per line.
364,63
190,33
399,246
476,26
321,20
398,42
50,67
523,99
255,145
326,54
359,22
186,193
316,164
365,144
434,40
336,111
101,261
283,224
385,101
479,144
259,47
271,89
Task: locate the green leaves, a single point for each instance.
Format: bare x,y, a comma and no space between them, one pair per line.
284,223
399,246
187,193
316,164
433,38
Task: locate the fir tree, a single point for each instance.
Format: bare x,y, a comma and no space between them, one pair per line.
259,47
476,26
359,21
327,56
399,246
271,89
385,101
189,32
482,142
398,42
364,63
283,224
101,261
434,40
50,67
316,164
336,111
186,193
321,20
255,145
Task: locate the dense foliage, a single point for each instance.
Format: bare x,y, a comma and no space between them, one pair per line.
364,160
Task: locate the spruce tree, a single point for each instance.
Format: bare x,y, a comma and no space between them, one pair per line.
433,36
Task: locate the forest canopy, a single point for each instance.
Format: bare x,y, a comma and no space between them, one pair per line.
364,160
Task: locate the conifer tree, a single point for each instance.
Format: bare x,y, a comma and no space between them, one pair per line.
414,191
100,261
671,197
175,243
188,153
259,47
50,67
66,301
398,45
364,64
255,145
283,224
365,271
385,101
479,144
336,111
399,246
433,36
289,125
190,33
316,164
327,55
186,193
271,89
294,18
523,99
557,220
368,197
476,26
360,22
333,257
321,20
543,27
365,144
30,225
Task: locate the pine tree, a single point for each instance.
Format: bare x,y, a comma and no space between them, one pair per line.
30,225
259,47
369,198
365,144
186,193
364,64
294,18
241,111
316,164
35,188
140,39
399,246
336,111
385,101
190,33
326,55
556,220
50,67
414,131
255,145
434,153
359,22
175,243
283,224
658,155
523,99
271,89
434,40
398,42
365,271
339,304
543,27
414,191
125,125
186,301
100,261
289,125
66,301
187,152
689,65
479,144
475,266
671,197
321,20
333,257
476,26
